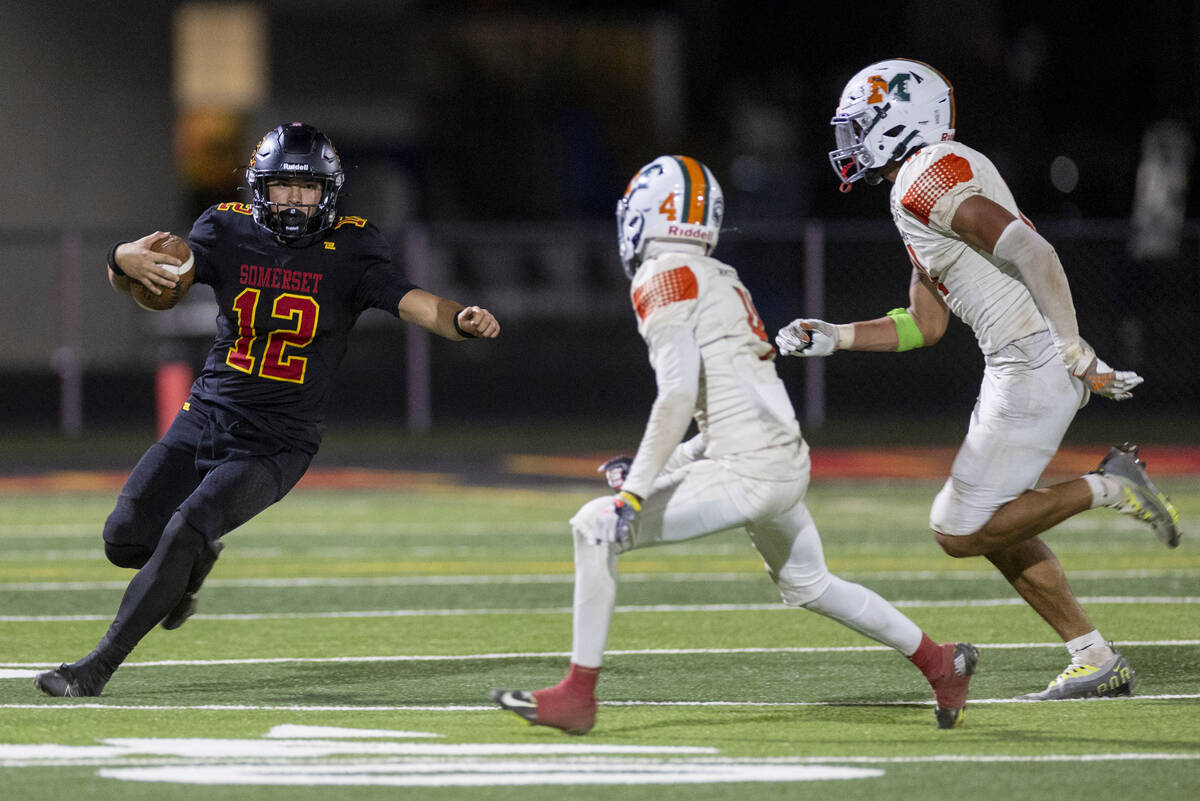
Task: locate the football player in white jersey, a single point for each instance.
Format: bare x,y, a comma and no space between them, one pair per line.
974,254
748,466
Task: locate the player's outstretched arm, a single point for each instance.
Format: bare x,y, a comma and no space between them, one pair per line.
447,318
135,261
920,325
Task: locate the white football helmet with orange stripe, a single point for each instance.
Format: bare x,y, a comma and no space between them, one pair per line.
887,111
673,198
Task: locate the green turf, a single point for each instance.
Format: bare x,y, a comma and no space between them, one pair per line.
398,611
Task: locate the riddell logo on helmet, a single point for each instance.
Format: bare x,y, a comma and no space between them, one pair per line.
689,233
293,167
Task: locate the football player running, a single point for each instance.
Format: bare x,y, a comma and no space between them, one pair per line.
748,466
253,420
974,254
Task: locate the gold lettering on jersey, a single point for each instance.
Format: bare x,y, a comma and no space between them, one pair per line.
240,208
280,278
330,246
357,222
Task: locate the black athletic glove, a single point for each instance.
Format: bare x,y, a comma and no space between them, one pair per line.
616,470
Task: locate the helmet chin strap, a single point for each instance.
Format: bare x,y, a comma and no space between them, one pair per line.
846,185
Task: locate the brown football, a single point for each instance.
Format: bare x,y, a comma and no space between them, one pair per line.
173,246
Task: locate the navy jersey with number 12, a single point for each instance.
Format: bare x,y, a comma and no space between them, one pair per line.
285,314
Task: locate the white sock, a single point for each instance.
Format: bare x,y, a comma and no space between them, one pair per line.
1090,649
595,598
855,606
1106,490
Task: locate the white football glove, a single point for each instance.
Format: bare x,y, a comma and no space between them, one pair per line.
1115,384
1101,379
807,337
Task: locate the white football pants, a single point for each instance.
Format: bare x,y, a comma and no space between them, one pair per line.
1026,402
705,497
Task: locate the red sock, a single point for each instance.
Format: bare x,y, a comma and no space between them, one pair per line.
580,681
569,705
928,657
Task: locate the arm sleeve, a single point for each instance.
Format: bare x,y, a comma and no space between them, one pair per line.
676,360
1043,275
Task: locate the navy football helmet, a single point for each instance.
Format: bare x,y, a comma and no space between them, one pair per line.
294,151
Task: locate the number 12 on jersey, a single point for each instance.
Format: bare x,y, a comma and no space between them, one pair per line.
301,310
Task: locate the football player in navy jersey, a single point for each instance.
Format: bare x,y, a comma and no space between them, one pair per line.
290,279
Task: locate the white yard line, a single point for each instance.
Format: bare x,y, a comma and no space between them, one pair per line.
564,578
27,666
48,705
561,610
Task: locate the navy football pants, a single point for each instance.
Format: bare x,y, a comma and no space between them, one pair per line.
211,471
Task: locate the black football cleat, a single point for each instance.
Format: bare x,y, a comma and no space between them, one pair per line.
64,683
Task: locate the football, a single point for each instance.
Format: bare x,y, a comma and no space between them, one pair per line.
172,246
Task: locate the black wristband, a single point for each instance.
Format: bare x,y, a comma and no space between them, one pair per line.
458,328
112,259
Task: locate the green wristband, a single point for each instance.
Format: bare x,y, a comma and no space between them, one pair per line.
906,330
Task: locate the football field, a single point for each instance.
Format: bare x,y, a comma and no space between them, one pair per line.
348,637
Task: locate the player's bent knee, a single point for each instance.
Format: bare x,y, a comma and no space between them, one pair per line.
956,546
947,521
181,539
128,543
801,595
941,514
585,525
133,556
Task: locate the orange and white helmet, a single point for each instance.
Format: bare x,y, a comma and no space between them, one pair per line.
887,111
673,198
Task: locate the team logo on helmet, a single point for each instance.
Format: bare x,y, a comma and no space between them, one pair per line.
887,111
897,87
673,198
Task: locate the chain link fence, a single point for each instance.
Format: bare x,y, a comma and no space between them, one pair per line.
569,347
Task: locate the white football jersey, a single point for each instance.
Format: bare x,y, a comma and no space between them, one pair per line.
742,408
982,291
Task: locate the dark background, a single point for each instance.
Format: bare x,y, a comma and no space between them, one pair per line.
503,133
